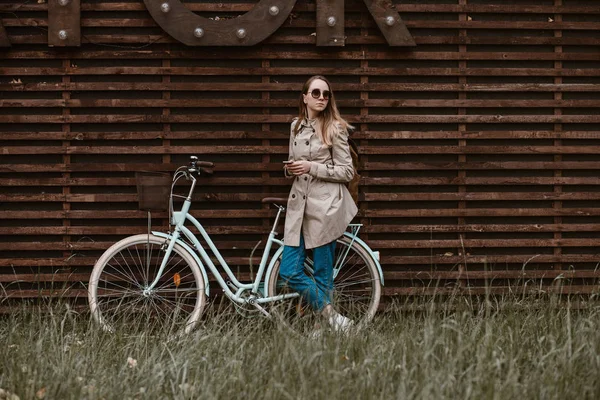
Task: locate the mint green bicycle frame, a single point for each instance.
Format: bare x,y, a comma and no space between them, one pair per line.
179,218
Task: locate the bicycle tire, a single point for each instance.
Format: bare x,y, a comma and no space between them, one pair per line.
117,282
357,286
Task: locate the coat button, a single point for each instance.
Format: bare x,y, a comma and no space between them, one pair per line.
294,143
306,178
293,196
307,142
304,197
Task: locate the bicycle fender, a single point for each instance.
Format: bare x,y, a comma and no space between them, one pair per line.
193,253
271,266
374,255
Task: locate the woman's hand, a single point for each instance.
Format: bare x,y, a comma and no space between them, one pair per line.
298,167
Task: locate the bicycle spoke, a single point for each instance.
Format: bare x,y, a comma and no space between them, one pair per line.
120,268
167,271
345,285
178,290
121,307
118,279
345,277
118,300
177,305
132,276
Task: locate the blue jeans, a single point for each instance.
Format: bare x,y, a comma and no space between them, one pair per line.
317,289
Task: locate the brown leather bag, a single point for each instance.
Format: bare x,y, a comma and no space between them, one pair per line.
353,184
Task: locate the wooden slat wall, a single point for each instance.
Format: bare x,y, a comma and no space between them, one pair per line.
480,146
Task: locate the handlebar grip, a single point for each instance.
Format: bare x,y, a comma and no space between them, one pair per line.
205,171
205,164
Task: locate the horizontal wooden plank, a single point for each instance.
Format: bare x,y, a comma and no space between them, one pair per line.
367,181
87,230
382,245
375,227
387,291
472,262
481,196
365,71
515,149
365,197
371,135
206,151
286,87
105,198
471,244
488,166
253,54
308,55
489,261
471,135
352,7
266,119
130,214
277,39
479,228
77,277
492,274
228,214
494,290
256,103
222,243
509,24
480,212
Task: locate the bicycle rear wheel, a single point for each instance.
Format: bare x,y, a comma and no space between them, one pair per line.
357,287
119,278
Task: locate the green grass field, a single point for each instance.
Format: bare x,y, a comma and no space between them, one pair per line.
529,350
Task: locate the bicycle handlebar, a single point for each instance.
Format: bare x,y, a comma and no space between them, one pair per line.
200,167
205,164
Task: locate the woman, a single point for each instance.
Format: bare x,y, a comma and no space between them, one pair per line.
319,206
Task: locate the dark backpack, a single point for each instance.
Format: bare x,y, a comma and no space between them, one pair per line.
353,184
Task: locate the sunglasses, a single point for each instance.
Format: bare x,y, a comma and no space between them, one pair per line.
316,93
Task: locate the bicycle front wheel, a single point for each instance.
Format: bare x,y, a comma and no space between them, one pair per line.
117,291
356,283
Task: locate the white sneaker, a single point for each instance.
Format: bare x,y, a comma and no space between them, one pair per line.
316,334
339,323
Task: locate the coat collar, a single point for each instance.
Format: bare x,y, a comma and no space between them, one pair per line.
310,124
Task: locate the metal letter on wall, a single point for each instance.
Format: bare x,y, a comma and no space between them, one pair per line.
64,23
191,29
390,23
4,41
330,23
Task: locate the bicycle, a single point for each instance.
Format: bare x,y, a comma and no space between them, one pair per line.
161,276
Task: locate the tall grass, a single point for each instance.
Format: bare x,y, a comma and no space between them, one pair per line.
539,352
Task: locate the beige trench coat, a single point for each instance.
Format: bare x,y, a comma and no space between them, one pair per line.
319,204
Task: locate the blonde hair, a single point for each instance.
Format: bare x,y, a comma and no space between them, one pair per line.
329,118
